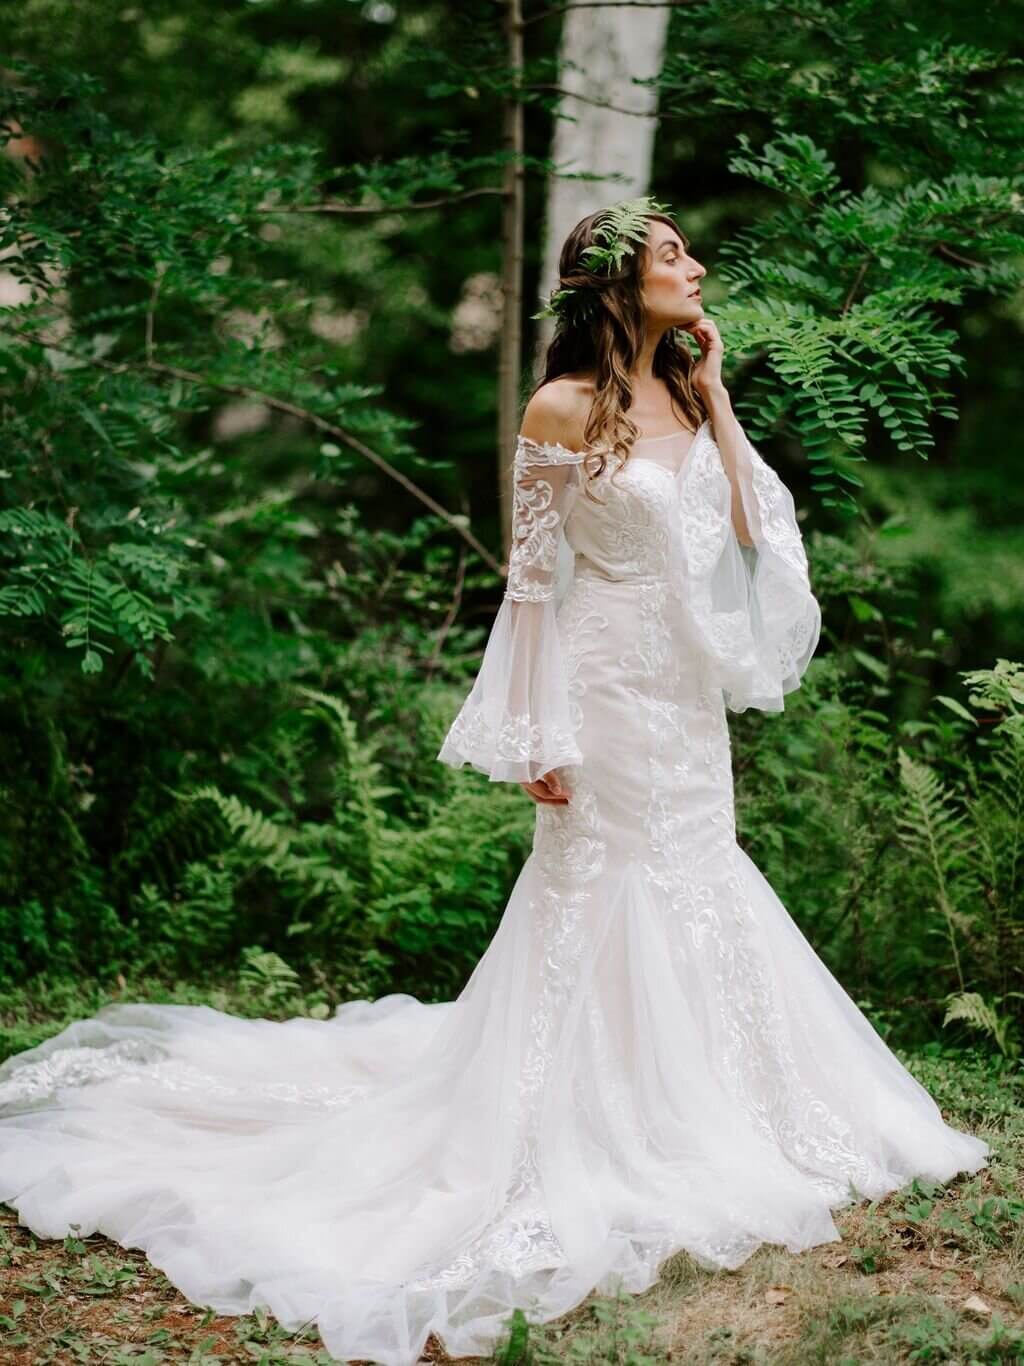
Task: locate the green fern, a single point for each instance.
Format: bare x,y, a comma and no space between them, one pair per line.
848,344
360,791
931,826
618,231
270,840
158,843
304,858
267,976
973,1009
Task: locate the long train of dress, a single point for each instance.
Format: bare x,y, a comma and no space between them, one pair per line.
648,1057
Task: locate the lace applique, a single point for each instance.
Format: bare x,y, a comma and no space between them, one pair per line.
640,496
701,878
516,723
569,856
516,740
136,1061
762,1072
752,610
777,526
543,472
579,621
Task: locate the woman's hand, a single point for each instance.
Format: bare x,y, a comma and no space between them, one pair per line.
548,790
706,375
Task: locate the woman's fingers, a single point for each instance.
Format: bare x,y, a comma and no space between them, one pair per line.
548,789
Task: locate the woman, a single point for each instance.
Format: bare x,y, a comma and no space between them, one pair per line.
649,1057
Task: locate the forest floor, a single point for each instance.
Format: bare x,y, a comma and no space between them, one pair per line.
929,1274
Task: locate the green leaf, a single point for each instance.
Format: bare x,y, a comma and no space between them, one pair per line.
957,708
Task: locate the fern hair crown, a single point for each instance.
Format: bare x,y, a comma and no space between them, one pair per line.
617,230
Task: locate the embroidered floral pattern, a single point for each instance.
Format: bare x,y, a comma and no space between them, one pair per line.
542,474
517,740
752,612
516,724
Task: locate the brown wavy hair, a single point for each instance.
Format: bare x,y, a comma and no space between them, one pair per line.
602,331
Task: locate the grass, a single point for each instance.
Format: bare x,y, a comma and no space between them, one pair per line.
930,1274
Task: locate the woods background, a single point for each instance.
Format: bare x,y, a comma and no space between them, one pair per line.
267,286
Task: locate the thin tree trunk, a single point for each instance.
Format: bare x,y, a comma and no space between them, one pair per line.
510,353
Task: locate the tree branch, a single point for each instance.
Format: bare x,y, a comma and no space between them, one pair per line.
955,256
848,301
335,206
282,406
602,104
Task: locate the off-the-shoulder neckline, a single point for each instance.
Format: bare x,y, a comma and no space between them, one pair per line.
579,455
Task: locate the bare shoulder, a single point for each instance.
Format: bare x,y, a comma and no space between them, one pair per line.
558,411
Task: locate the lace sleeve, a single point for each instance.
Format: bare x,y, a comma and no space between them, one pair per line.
750,608
516,725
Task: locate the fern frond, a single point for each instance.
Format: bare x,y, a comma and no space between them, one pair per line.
931,827
250,827
619,227
973,1009
267,975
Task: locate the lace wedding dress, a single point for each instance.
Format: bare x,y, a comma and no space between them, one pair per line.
648,1057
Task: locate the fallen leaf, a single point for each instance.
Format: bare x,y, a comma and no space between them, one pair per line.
977,1305
777,1294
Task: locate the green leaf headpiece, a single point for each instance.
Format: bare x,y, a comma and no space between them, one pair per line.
618,228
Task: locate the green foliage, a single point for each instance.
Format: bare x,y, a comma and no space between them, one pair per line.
970,843
221,674
886,162
973,1009
268,977
930,827
615,1330
842,345
232,652
897,847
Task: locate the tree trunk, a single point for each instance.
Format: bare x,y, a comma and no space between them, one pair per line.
510,347
603,49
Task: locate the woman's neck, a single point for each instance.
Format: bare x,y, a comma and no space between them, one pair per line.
642,370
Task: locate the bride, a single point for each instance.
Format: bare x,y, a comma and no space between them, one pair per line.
649,1056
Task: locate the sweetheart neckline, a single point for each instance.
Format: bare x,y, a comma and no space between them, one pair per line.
665,435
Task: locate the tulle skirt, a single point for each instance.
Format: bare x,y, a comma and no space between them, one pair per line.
649,1057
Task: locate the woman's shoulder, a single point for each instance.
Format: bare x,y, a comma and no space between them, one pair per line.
558,411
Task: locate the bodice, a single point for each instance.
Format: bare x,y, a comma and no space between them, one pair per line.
664,519
625,535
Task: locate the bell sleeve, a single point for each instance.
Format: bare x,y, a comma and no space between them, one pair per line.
750,609
516,723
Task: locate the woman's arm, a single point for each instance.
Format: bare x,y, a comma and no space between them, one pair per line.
516,725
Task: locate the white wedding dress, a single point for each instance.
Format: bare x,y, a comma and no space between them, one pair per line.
649,1056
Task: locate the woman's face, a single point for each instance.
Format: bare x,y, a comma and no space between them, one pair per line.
669,285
